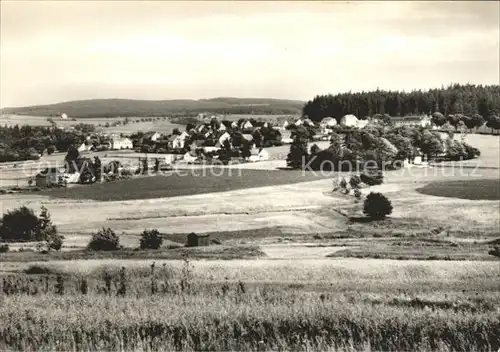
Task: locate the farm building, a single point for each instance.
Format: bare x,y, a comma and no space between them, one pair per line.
258,155
121,143
48,177
328,122
362,123
246,125
196,240
424,121
349,121
151,136
64,116
225,136
85,147
178,142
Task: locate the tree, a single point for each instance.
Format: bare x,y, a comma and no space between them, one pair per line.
104,240
19,225
151,239
493,122
47,231
298,155
51,149
22,225
176,132
438,119
97,168
314,149
377,206
245,149
225,152
71,157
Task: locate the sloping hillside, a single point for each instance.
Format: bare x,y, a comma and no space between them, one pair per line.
128,107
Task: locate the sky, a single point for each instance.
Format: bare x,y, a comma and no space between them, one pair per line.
58,51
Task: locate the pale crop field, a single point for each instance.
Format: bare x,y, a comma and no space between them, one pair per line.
341,304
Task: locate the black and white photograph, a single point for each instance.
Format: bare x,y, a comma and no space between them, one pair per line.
249,175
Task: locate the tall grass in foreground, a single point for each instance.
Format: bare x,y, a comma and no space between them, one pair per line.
180,308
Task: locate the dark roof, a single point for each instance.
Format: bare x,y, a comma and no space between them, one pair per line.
198,234
48,170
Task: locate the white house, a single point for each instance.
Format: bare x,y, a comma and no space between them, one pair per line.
180,141
285,125
152,136
225,136
328,122
308,122
258,155
84,147
362,123
234,124
121,143
299,122
349,121
246,125
64,116
222,127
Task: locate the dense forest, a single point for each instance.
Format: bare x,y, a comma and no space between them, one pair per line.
455,99
151,108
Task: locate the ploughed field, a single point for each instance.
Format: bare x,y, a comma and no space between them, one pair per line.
186,182
484,189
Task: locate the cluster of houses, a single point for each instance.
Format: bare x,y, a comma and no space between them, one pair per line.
99,142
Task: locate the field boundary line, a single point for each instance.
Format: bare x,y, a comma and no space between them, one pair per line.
213,214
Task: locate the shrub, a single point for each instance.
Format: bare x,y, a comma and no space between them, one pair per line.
4,248
104,240
377,206
51,149
357,193
355,181
372,179
19,225
151,239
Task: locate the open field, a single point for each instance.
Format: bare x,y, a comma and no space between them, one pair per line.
134,125
311,277
488,189
347,304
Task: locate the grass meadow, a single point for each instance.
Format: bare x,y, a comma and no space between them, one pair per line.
344,304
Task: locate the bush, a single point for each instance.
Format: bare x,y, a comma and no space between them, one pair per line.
151,239
4,248
357,193
19,225
355,181
373,179
104,240
51,149
377,206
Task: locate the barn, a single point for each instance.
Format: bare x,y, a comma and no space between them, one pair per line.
197,240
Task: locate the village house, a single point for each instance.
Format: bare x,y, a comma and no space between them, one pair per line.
150,137
247,125
121,143
49,177
423,121
349,121
258,154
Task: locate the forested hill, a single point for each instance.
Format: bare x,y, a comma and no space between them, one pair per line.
455,99
128,107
